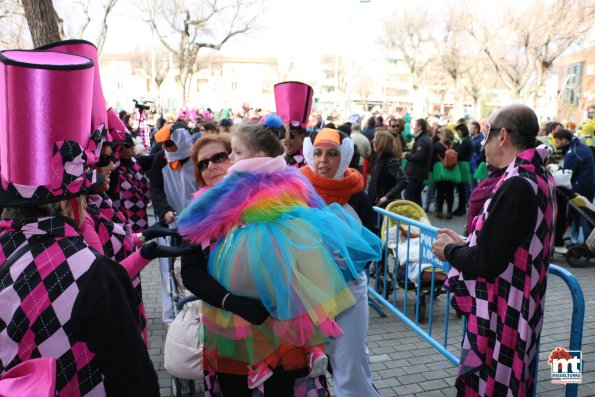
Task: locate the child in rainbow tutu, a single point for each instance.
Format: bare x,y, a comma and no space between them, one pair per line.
277,241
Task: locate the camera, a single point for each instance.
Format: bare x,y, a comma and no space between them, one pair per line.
141,105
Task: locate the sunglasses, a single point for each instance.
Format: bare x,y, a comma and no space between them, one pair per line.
104,160
169,144
393,125
128,145
215,159
488,129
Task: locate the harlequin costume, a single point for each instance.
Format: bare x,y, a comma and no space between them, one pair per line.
112,236
503,293
59,296
129,188
300,279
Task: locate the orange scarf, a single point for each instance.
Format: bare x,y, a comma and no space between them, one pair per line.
335,190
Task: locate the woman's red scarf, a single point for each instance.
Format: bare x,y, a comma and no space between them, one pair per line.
335,190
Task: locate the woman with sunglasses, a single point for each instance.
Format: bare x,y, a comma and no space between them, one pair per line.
210,155
294,101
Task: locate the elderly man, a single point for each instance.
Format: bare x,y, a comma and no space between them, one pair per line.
498,276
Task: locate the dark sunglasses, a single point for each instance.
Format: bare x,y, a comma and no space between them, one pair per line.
169,144
104,160
393,125
216,159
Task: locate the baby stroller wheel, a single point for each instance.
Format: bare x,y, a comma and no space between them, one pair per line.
579,256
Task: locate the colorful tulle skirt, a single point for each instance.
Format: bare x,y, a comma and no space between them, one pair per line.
298,266
465,170
441,173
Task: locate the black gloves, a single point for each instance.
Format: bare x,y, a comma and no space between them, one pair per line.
158,230
251,310
153,250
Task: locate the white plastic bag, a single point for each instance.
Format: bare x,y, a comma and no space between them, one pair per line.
183,348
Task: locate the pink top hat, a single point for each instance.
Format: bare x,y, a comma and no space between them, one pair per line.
45,114
88,50
294,102
117,130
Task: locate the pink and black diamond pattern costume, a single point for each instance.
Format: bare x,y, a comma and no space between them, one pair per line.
118,243
60,298
43,295
131,194
505,312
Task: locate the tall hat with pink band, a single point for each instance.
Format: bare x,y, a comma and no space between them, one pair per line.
294,102
45,114
98,110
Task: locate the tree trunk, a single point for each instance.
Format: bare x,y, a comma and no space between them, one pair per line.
43,21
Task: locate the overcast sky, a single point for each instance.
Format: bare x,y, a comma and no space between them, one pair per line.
287,27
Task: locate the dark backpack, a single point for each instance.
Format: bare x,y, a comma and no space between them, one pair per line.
451,157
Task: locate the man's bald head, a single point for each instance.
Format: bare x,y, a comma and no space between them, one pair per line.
521,123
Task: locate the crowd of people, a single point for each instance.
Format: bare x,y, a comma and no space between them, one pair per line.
273,219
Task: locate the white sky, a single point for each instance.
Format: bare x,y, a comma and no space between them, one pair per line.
286,28
298,29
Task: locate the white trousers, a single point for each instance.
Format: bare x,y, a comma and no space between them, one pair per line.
349,352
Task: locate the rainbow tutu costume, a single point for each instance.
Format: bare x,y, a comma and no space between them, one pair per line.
278,242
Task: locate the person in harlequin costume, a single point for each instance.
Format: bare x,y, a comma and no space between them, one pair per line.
294,102
129,187
60,298
103,226
299,279
498,276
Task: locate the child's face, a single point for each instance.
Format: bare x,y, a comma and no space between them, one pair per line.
239,151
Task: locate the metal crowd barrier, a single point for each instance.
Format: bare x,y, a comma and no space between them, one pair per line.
387,280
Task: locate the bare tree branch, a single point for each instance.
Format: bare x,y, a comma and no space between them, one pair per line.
408,31
185,30
107,8
86,18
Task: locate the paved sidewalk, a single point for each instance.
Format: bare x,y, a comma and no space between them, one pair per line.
403,364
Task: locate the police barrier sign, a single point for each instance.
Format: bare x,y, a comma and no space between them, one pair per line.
566,366
426,255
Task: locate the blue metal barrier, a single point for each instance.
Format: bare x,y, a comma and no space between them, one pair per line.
387,282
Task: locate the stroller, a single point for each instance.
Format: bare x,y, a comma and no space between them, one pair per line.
582,224
404,280
183,356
